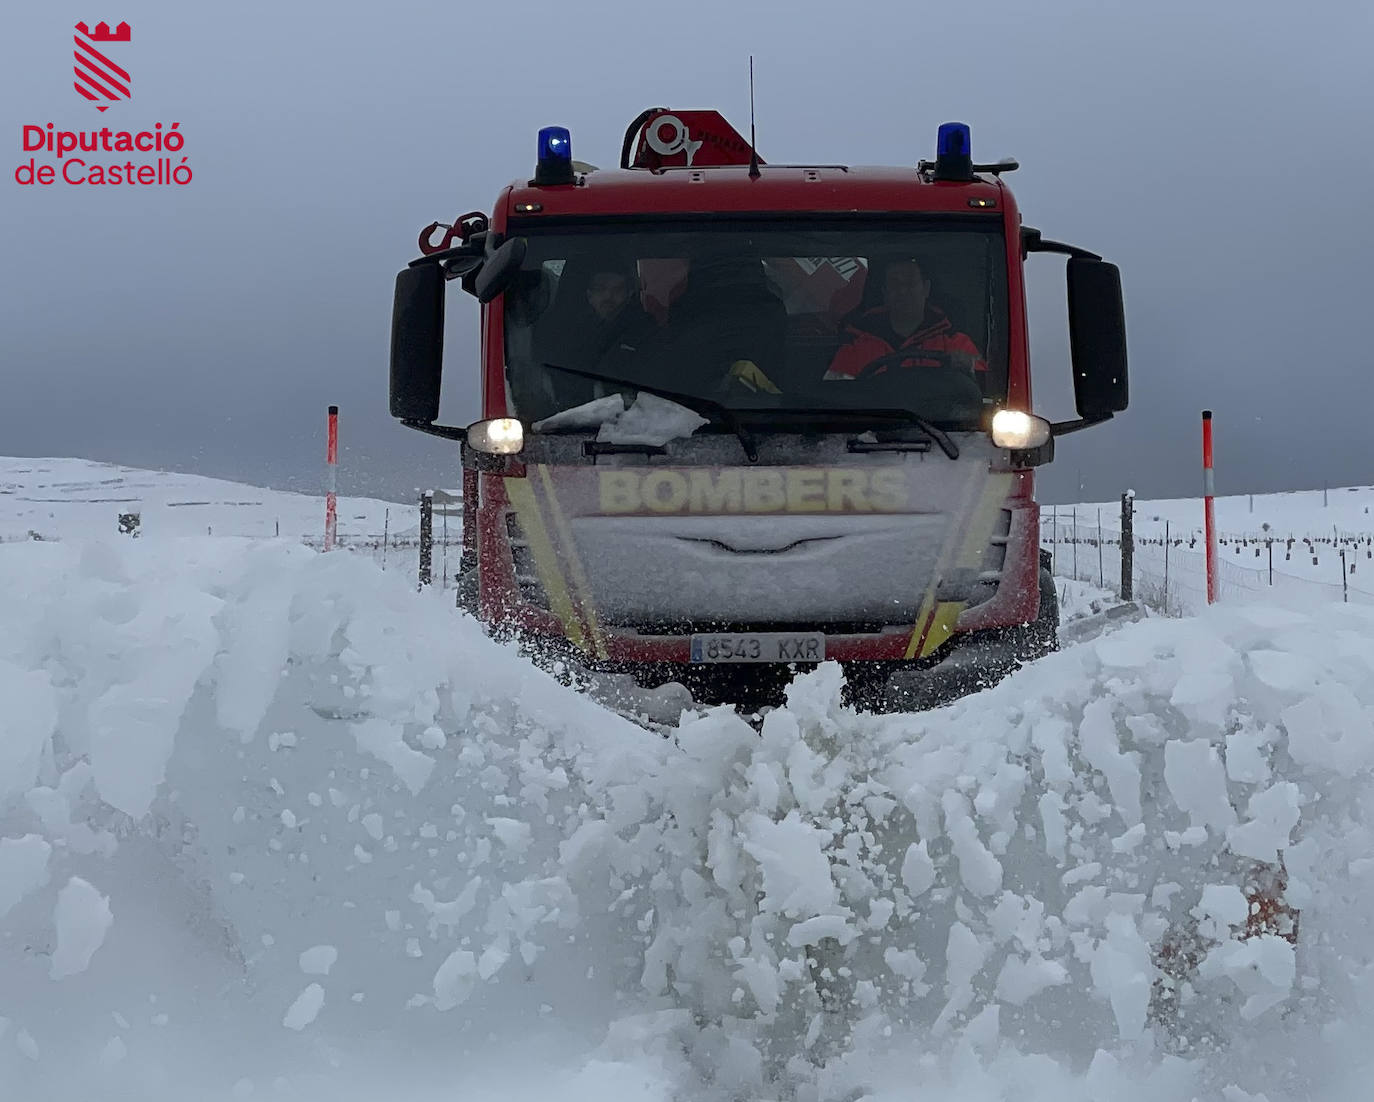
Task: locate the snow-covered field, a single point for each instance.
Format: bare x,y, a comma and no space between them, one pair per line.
1293,549
70,498
48,499
1348,510
274,826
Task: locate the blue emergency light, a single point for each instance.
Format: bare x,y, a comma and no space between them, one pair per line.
554,165
953,152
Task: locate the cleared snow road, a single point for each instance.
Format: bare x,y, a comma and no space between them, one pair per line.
478,883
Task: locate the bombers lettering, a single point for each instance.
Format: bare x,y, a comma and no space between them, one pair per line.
776,490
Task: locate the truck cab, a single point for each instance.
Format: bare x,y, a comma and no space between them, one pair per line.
739,418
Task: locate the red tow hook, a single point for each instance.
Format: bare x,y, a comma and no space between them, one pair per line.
429,247
462,228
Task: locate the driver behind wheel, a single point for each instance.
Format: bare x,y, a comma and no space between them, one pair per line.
905,321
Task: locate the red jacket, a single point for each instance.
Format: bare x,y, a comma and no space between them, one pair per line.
871,336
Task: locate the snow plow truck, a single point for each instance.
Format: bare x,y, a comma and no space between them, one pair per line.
739,418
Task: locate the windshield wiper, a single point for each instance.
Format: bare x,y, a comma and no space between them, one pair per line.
692,401
605,447
948,446
732,420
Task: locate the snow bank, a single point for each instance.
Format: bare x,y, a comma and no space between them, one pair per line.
285,778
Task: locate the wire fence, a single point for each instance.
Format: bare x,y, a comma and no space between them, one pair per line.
404,550
401,552
1169,572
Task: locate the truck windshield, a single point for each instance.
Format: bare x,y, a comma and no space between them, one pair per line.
769,315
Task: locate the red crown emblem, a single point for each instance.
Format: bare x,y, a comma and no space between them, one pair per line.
98,78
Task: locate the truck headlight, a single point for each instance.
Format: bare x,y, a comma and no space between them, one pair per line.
500,436
1011,428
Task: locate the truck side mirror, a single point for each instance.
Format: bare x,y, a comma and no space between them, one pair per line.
499,269
417,343
1097,337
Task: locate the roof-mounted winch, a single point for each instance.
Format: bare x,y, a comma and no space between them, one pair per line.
662,138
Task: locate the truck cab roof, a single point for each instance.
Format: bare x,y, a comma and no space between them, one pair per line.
731,189
695,162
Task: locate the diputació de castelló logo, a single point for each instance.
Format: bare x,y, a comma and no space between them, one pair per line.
58,155
97,77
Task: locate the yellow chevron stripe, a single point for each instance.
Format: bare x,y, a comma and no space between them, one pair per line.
521,495
922,614
971,538
978,532
946,615
927,607
582,590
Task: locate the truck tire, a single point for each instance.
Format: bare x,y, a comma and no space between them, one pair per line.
466,589
1043,632
1041,636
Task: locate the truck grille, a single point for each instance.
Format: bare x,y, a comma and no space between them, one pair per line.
522,558
994,560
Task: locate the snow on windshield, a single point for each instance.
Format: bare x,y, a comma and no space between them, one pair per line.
648,420
274,825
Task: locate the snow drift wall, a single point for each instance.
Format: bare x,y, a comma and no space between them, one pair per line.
362,829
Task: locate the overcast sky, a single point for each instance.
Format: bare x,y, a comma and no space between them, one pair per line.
1220,153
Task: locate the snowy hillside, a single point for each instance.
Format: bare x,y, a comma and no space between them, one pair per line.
65,498
274,826
1346,509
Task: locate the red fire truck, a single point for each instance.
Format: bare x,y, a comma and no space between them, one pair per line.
739,418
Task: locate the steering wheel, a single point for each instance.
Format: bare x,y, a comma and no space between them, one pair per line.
947,387
894,359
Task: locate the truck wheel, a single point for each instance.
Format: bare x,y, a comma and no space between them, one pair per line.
1041,636
1043,633
466,589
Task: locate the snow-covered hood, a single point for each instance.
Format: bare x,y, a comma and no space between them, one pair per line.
841,539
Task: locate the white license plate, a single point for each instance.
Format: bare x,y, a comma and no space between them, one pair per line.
767,646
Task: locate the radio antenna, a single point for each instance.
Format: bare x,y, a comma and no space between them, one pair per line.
753,144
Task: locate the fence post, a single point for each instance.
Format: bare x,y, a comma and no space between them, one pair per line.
1075,543
1271,561
331,507
1127,545
443,584
1209,506
1167,541
386,535
1101,581
1345,580
426,539
1054,540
